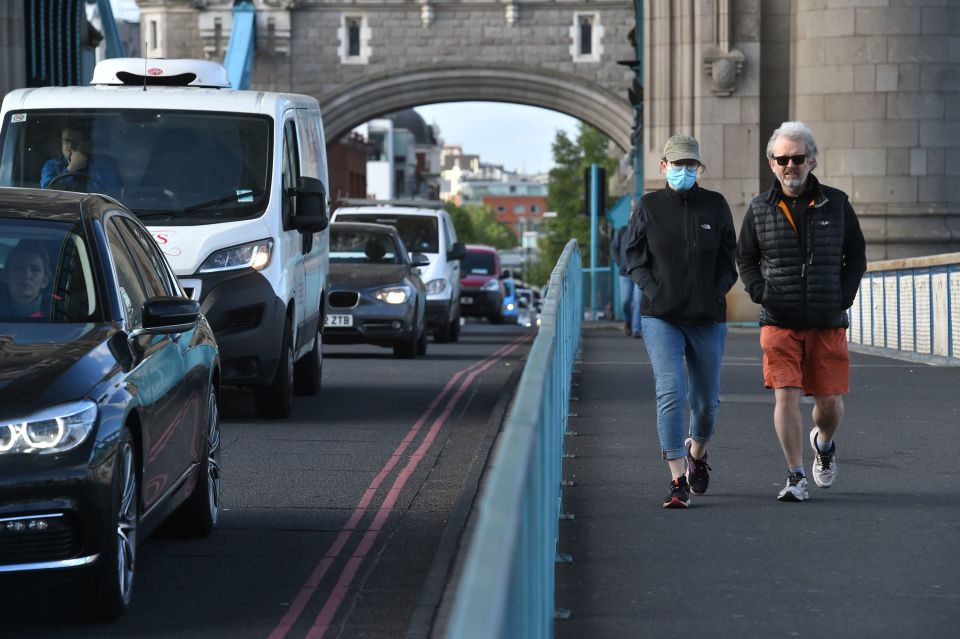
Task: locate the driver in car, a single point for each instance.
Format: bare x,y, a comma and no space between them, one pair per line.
78,169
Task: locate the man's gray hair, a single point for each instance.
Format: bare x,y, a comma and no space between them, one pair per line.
794,131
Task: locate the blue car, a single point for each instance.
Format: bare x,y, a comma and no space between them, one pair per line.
510,312
109,377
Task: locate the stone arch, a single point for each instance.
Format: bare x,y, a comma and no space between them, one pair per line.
376,95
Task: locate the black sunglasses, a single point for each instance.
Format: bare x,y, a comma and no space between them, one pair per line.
782,160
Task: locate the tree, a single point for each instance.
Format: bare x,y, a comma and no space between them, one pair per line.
478,224
565,196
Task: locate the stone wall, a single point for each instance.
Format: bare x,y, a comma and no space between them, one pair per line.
878,81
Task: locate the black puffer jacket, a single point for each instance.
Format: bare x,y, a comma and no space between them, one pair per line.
808,277
681,253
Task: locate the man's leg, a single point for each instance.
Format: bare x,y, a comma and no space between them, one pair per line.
827,415
626,303
637,293
789,424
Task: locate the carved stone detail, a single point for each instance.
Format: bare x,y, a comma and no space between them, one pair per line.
511,13
723,67
426,13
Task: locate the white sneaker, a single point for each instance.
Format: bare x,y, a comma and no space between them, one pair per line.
824,464
795,490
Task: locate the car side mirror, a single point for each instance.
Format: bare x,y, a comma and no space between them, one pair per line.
419,259
311,214
170,314
457,252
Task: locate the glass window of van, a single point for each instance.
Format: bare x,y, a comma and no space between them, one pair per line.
187,167
419,233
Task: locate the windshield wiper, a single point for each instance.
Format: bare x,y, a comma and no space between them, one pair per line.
233,197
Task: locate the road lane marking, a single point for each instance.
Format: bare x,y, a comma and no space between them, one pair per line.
346,576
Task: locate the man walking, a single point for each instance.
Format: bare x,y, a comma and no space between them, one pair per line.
801,256
629,292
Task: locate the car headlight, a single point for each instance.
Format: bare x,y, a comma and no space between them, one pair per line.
54,430
510,307
437,286
255,255
393,295
491,285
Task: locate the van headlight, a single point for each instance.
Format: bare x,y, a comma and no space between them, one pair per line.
255,255
53,430
435,287
491,285
393,295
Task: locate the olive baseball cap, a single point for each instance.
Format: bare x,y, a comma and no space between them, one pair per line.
681,147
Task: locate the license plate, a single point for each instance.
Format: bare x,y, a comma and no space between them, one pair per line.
338,320
466,300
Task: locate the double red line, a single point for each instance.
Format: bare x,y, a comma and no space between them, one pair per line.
349,571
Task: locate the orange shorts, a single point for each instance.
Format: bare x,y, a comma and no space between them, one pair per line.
815,359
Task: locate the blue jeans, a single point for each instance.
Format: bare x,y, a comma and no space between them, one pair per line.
668,345
630,302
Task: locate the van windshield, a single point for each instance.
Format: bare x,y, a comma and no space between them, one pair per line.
186,167
418,232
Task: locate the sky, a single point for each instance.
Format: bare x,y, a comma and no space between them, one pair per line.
515,136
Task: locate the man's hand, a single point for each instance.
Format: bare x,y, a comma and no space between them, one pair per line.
78,162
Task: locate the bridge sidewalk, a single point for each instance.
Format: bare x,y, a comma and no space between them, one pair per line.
875,555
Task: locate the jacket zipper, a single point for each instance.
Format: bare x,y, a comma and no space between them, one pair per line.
686,251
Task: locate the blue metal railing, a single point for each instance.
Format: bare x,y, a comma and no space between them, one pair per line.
507,587
239,58
909,309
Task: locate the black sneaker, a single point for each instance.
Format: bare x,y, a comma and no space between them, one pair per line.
679,496
627,328
698,471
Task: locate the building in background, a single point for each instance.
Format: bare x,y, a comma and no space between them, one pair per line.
347,167
518,200
404,157
456,166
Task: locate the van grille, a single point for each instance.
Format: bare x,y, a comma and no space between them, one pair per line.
343,299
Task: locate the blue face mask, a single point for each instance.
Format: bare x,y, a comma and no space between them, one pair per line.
681,178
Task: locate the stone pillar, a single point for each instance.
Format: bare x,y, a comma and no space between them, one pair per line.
880,88
170,29
702,78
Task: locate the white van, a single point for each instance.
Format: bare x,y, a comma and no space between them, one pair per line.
232,184
425,227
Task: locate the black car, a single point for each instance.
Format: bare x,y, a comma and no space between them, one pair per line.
108,396
375,295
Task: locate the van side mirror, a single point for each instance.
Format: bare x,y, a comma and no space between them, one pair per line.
457,252
311,206
419,259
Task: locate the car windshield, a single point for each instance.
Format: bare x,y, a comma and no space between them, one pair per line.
189,167
46,274
478,263
352,246
418,232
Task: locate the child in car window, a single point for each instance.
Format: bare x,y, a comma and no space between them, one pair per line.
26,274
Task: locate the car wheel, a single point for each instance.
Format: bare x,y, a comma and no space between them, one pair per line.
442,334
112,576
308,371
276,399
406,349
199,514
422,343
496,318
455,329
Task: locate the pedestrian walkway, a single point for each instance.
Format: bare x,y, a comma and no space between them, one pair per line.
876,555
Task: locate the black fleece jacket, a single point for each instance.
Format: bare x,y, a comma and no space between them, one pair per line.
681,252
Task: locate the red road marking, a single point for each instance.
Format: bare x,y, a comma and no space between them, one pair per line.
353,564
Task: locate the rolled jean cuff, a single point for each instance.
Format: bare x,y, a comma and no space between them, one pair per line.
678,453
